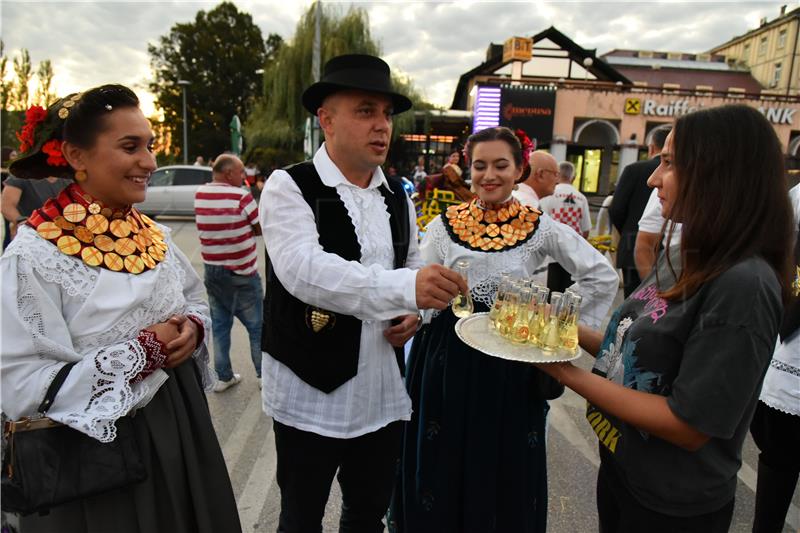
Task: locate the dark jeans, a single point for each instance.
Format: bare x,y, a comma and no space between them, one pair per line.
307,463
619,512
231,295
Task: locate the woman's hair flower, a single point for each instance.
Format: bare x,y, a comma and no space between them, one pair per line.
54,156
34,116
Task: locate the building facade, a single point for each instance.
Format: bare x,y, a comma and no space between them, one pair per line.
770,52
600,112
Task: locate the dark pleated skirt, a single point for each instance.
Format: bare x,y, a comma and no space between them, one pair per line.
187,489
474,451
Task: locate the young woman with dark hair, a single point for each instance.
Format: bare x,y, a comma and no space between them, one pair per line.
679,369
474,451
92,282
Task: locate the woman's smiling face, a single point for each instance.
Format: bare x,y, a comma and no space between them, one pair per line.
494,171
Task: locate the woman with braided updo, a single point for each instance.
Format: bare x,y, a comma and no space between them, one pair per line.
89,281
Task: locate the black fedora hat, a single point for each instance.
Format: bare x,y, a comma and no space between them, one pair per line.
354,71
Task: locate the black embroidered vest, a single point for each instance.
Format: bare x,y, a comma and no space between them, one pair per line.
327,358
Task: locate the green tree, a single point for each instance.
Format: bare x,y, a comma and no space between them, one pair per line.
24,73
44,95
278,118
5,85
218,54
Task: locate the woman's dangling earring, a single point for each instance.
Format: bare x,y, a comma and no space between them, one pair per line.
80,176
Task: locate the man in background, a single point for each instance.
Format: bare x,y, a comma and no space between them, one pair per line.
542,180
568,206
227,222
630,199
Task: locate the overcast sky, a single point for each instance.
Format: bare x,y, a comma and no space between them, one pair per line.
98,42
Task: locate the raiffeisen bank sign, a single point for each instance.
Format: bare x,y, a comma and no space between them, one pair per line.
776,115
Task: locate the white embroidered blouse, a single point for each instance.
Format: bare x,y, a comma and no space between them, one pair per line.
56,310
595,278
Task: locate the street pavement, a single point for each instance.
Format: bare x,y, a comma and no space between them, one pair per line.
245,435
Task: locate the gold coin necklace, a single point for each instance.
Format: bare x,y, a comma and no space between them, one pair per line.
118,240
478,227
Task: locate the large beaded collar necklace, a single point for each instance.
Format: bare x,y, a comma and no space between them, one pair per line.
480,227
114,239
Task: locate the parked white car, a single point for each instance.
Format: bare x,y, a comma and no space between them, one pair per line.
171,190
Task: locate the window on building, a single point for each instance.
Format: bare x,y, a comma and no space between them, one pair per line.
762,46
776,74
782,39
746,52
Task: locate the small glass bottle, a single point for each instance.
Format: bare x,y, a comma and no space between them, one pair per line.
549,338
521,328
462,304
569,327
502,288
509,312
539,318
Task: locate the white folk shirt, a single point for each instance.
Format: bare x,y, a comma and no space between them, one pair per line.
569,207
595,278
369,289
526,195
58,310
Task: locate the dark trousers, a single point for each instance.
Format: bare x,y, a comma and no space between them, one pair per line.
307,463
619,512
558,279
777,435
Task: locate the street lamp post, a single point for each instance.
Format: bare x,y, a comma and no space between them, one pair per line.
183,84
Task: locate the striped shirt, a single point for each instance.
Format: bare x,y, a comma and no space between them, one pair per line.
224,216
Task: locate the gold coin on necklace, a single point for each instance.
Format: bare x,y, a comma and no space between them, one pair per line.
84,235
74,212
94,208
92,256
148,261
48,230
104,242
106,212
69,244
113,261
120,228
63,223
124,246
134,264
97,224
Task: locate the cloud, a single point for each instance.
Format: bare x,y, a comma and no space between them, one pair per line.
433,43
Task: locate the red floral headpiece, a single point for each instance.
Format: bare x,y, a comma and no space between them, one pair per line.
33,117
54,156
528,147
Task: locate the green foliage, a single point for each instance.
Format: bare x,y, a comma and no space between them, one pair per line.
10,123
278,118
24,73
218,54
44,96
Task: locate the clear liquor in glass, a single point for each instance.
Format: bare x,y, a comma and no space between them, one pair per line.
521,328
550,338
462,304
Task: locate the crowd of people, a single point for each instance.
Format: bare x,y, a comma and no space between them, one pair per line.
99,304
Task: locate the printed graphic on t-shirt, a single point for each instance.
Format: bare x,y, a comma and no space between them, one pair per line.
618,362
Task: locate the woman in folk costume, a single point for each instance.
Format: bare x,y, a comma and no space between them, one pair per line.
452,179
89,280
474,451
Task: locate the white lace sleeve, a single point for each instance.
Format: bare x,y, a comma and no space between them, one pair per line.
36,342
194,293
595,278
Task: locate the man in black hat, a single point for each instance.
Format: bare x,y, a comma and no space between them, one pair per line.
344,284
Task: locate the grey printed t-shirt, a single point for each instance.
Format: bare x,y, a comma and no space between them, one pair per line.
707,355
